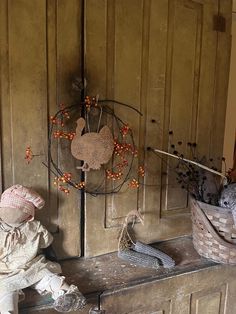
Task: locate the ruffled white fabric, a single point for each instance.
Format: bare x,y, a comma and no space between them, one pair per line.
21,264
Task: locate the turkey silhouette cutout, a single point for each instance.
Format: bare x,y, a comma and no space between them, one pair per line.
93,148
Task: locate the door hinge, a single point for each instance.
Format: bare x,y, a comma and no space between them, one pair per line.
219,23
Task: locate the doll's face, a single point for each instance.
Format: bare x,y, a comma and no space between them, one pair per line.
13,215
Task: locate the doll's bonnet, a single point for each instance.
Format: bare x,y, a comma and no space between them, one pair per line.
21,197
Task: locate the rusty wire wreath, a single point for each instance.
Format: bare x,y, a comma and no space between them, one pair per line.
64,179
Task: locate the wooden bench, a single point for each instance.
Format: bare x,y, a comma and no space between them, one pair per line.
105,278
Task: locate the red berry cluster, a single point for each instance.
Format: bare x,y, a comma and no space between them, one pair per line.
125,130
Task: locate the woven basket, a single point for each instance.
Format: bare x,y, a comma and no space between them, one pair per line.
214,232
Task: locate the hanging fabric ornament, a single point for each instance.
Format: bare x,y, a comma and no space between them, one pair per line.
93,148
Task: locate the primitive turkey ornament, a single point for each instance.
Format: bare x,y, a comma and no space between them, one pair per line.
94,149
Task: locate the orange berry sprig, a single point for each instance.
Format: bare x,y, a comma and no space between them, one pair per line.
28,154
113,175
80,185
133,184
62,134
90,102
141,171
66,177
56,121
62,183
64,114
121,148
125,130
66,190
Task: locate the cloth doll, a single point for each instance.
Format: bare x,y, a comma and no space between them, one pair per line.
22,263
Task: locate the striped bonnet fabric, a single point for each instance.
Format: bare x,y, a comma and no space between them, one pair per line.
21,197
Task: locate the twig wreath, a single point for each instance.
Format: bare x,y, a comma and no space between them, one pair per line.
94,145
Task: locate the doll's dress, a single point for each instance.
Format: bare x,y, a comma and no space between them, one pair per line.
21,264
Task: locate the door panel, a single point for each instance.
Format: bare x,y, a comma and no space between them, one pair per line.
206,291
213,300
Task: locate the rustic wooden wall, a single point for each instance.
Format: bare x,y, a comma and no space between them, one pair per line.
163,57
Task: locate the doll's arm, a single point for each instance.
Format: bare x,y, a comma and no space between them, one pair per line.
45,237
45,243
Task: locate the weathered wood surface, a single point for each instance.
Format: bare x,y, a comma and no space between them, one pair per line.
209,291
40,47
167,61
107,276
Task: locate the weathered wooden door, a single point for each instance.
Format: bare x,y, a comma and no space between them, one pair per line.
169,59
40,54
164,57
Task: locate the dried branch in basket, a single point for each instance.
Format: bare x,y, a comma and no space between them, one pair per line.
203,182
191,162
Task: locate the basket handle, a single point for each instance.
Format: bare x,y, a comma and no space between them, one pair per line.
209,227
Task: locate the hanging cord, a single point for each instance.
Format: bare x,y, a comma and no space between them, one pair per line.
100,116
87,121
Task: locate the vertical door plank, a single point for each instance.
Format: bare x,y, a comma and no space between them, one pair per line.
68,68
4,80
52,107
24,115
122,66
40,55
221,82
181,107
